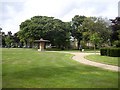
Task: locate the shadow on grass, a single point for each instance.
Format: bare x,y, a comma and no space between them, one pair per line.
51,76
50,72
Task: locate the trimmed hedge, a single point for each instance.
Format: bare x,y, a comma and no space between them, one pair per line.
103,51
112,52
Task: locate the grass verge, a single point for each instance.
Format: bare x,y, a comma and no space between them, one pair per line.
103,59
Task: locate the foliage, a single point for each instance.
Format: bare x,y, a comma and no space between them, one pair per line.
97,27
104,51
9,39
3,39
116,43
47,28
77,28
113,52
87,31
84,27
16,40
95,39
115,36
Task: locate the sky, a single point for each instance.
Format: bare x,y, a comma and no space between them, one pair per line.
13,12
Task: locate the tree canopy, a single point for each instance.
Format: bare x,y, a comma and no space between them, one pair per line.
94,30
45,27
115,36
77,27
84,27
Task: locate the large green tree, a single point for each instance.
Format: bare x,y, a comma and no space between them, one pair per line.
93,26
47,28
115,36
77,28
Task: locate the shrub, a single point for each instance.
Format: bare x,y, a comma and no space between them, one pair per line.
108,52
112,52
103,51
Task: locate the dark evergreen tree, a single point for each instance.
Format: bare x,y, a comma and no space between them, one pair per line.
115,36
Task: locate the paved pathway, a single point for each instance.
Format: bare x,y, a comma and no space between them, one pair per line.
79,56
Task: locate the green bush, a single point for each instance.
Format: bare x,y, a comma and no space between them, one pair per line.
108,52
103,51
112,52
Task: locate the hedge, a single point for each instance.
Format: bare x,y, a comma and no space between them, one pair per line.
113,52
103,51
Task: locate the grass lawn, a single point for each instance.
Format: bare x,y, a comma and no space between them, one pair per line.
27,68
103,59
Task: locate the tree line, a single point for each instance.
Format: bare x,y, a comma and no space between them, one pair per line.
94,30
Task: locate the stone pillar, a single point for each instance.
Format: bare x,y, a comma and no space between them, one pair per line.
41,46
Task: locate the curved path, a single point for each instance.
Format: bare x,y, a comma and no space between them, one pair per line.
79,56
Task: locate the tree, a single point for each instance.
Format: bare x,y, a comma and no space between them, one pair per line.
115,36
3,39
77,27
94,38
25,34
45,27
8,41
103,29
93,25
16,40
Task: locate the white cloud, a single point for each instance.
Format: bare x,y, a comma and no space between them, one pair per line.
16,11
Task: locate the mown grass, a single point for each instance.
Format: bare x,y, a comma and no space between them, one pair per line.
104,59
27,68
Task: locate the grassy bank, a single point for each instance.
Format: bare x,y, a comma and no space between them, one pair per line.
103,59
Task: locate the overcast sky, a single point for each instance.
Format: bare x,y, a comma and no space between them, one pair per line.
13,12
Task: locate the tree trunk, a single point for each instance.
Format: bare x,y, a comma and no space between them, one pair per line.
88,45
31,44
78,43
26,44
95,48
